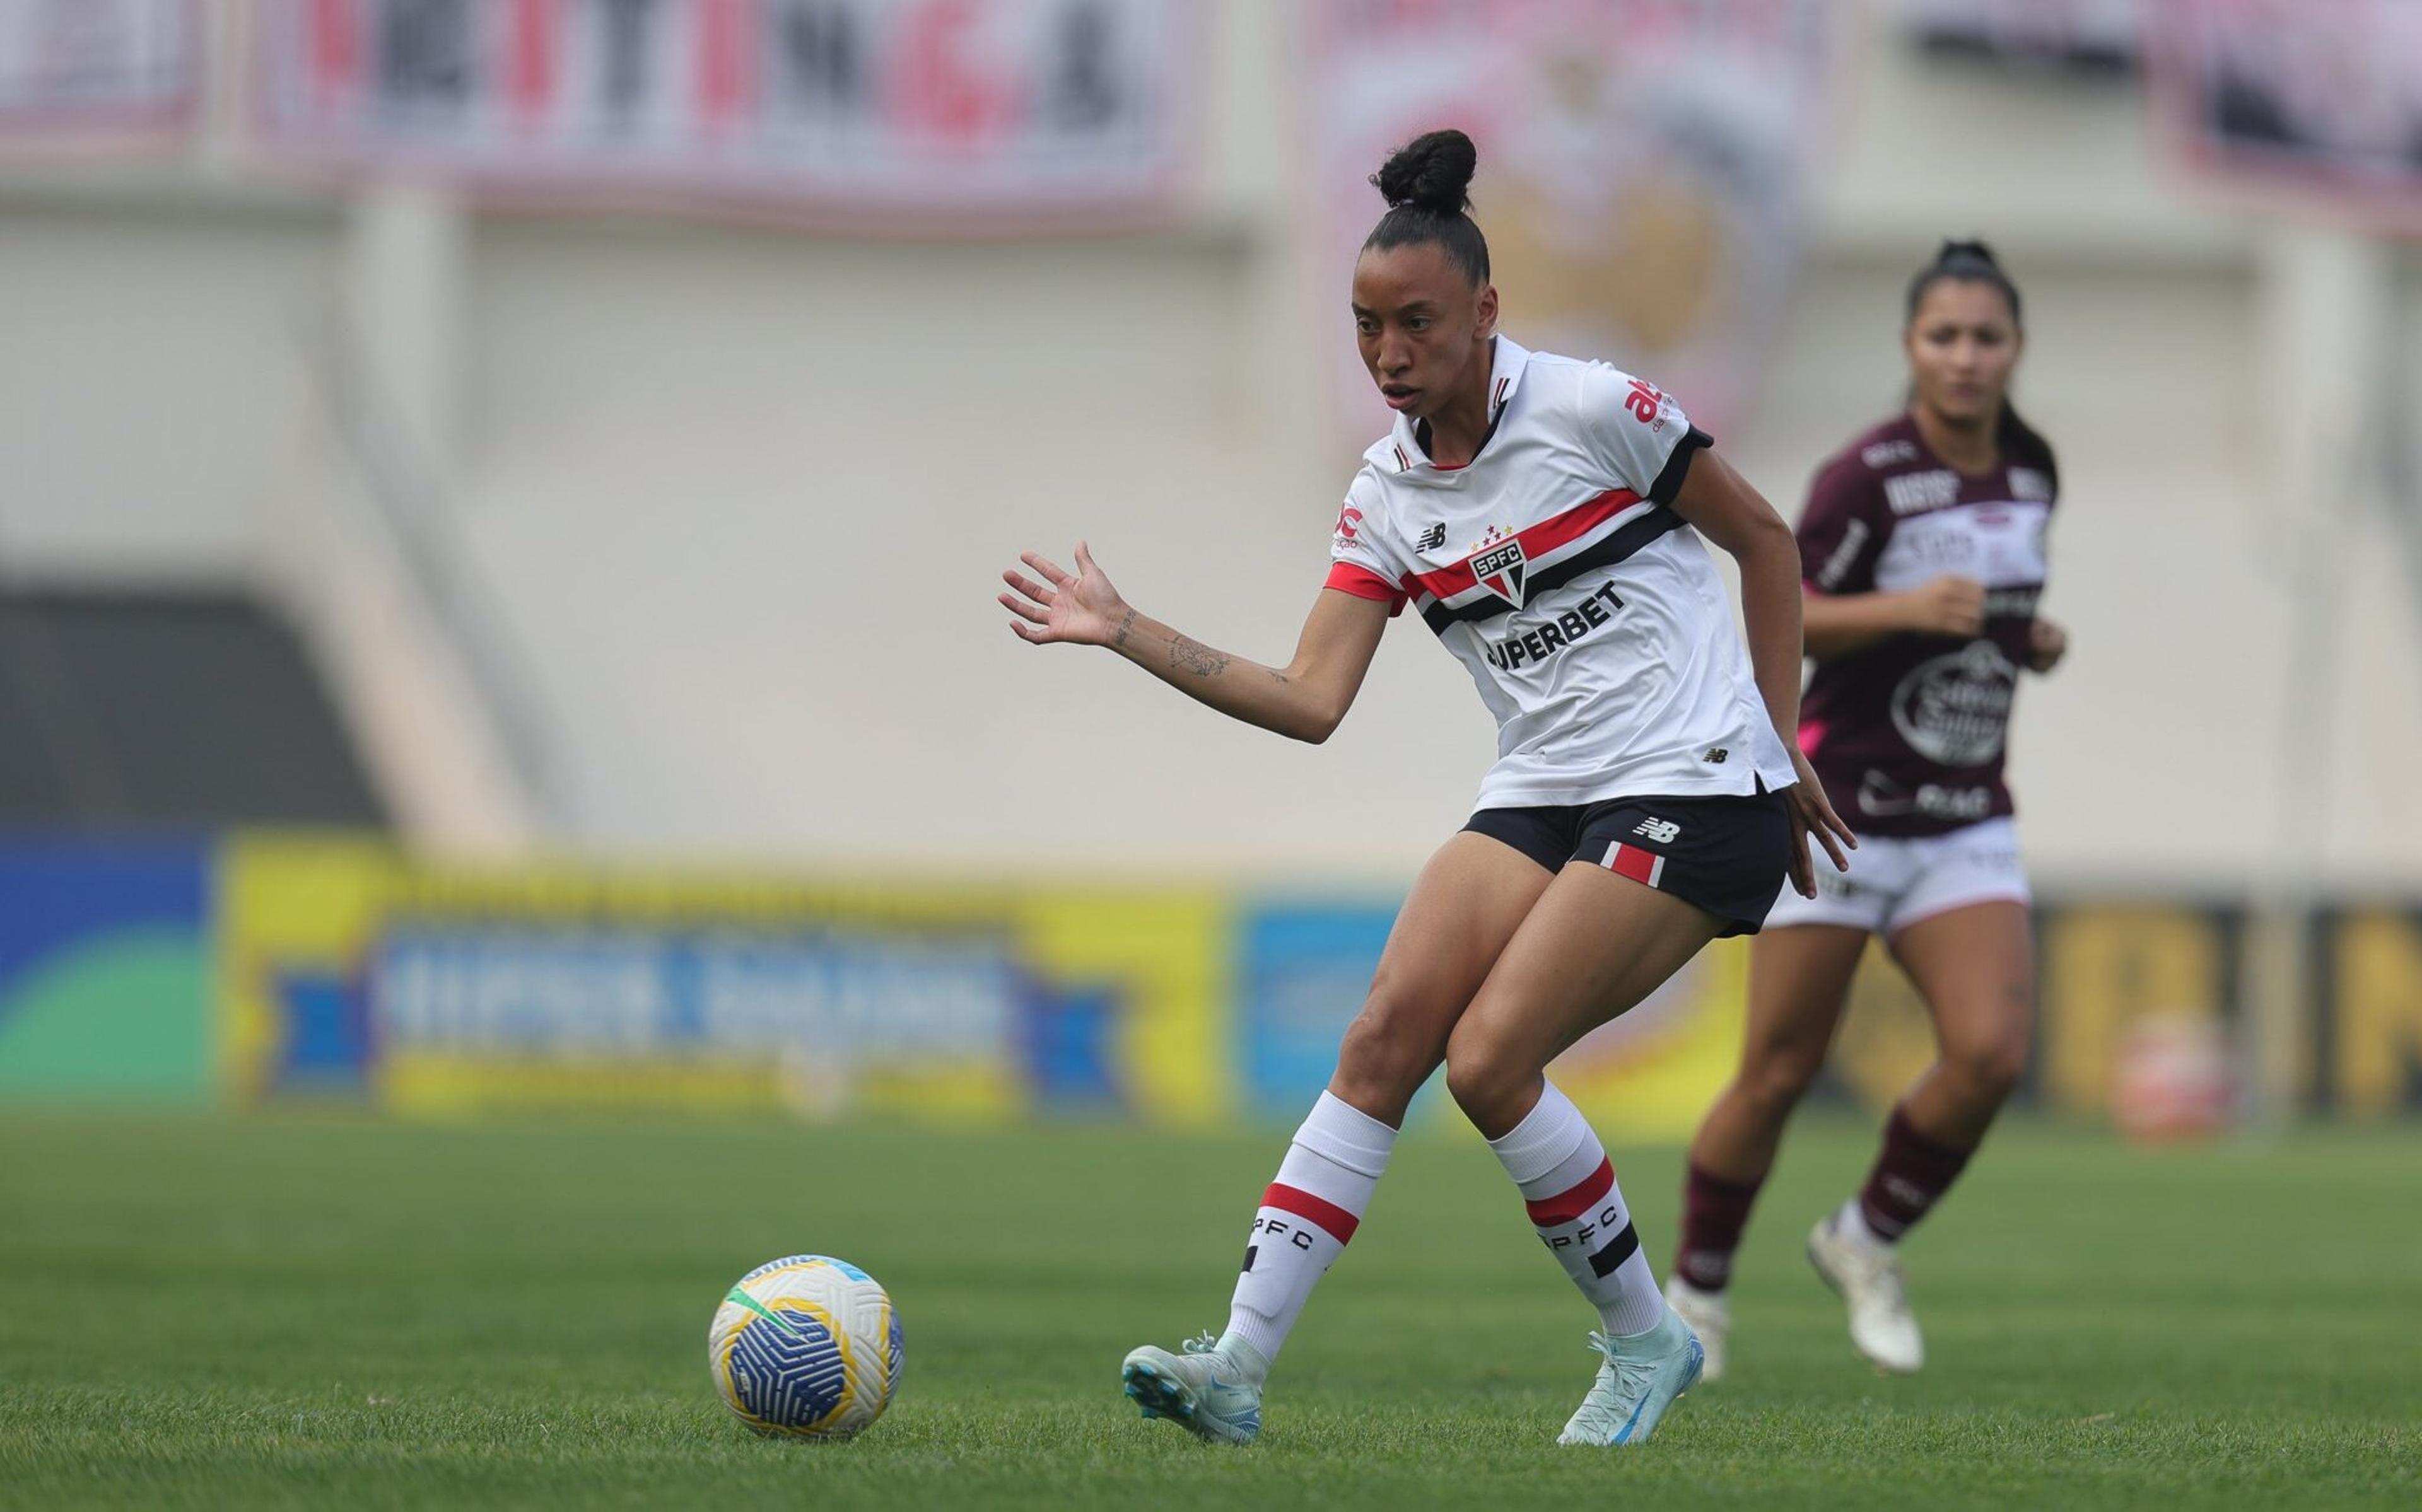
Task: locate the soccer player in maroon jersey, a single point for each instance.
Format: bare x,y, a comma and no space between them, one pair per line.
1545,517
1922,547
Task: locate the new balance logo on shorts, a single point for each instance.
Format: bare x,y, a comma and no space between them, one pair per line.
1664,831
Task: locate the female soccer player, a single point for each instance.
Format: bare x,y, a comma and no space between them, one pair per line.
1542,515
1923,547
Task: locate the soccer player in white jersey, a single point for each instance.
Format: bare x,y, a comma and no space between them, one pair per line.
1544,516
1923,548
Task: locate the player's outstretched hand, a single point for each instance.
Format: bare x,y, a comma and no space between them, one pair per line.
1948,605
1811,813
1078,607
2047,643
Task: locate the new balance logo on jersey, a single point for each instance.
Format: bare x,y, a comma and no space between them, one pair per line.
1432,538
1664,831
1499,570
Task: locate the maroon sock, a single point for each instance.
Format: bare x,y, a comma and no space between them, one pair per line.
1911,1173
1713,1211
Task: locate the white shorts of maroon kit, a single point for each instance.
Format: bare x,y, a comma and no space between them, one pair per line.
1893,883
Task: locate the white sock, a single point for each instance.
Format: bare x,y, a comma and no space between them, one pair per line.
1852,1220
1305,1218
1568,1185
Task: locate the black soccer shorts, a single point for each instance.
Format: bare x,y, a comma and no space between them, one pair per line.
1730,856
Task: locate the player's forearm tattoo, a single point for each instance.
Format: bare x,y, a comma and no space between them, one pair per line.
1119,640
1195,657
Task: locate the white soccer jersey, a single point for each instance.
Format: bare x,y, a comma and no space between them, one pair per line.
1586,610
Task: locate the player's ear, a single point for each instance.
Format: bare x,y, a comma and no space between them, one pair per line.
1483,322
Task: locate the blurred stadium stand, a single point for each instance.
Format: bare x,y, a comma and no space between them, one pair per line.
123,710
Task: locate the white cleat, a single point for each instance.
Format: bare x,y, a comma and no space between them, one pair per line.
1644,1374
1204,1391
1711,1317
1866,1275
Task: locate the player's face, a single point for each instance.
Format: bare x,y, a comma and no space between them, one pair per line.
1423,327
1963,346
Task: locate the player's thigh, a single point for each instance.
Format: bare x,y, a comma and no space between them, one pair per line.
1467,902
1976,968
1798,980
1592,946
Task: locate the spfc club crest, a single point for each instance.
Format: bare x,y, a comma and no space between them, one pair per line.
1500,570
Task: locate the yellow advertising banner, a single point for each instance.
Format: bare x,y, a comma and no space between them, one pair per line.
349,967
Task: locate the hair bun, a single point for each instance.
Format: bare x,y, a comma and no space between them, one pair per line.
1432,171
1966,252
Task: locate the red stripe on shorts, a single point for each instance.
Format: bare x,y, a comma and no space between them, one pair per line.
1338,1223
1552,1212
1632,862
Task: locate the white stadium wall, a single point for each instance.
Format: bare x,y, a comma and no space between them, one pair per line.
739,496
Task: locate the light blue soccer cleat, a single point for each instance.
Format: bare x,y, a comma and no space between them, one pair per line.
1643,1375
1209,1390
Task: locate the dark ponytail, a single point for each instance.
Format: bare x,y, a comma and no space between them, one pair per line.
1973,262
1427,185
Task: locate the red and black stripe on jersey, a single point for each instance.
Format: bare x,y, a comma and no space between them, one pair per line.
1458,580
1479,603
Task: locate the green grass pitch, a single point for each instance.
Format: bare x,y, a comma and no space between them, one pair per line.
325,1311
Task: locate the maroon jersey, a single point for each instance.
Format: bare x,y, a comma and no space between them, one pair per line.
1906,733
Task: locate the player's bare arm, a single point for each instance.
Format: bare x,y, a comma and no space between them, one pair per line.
1838,624
1721,503
1304,700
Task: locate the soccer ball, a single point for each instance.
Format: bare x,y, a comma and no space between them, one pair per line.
807,1346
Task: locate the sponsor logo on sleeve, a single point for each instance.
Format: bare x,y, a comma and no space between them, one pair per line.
1837,565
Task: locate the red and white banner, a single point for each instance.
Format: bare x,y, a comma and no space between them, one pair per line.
1642,170
2323,100
112,67
972,114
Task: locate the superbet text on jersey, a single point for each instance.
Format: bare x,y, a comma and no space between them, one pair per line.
1907,733
1555,570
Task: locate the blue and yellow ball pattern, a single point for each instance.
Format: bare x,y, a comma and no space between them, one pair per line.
806,1346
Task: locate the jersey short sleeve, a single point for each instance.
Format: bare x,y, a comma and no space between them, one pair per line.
1636,432
1359,561
1842,530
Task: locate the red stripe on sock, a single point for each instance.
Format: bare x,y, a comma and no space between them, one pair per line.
1552,1212
1338,1223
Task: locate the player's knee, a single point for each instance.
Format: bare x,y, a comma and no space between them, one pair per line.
1386,1054
1487,1082
1989,1067
1775,1079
